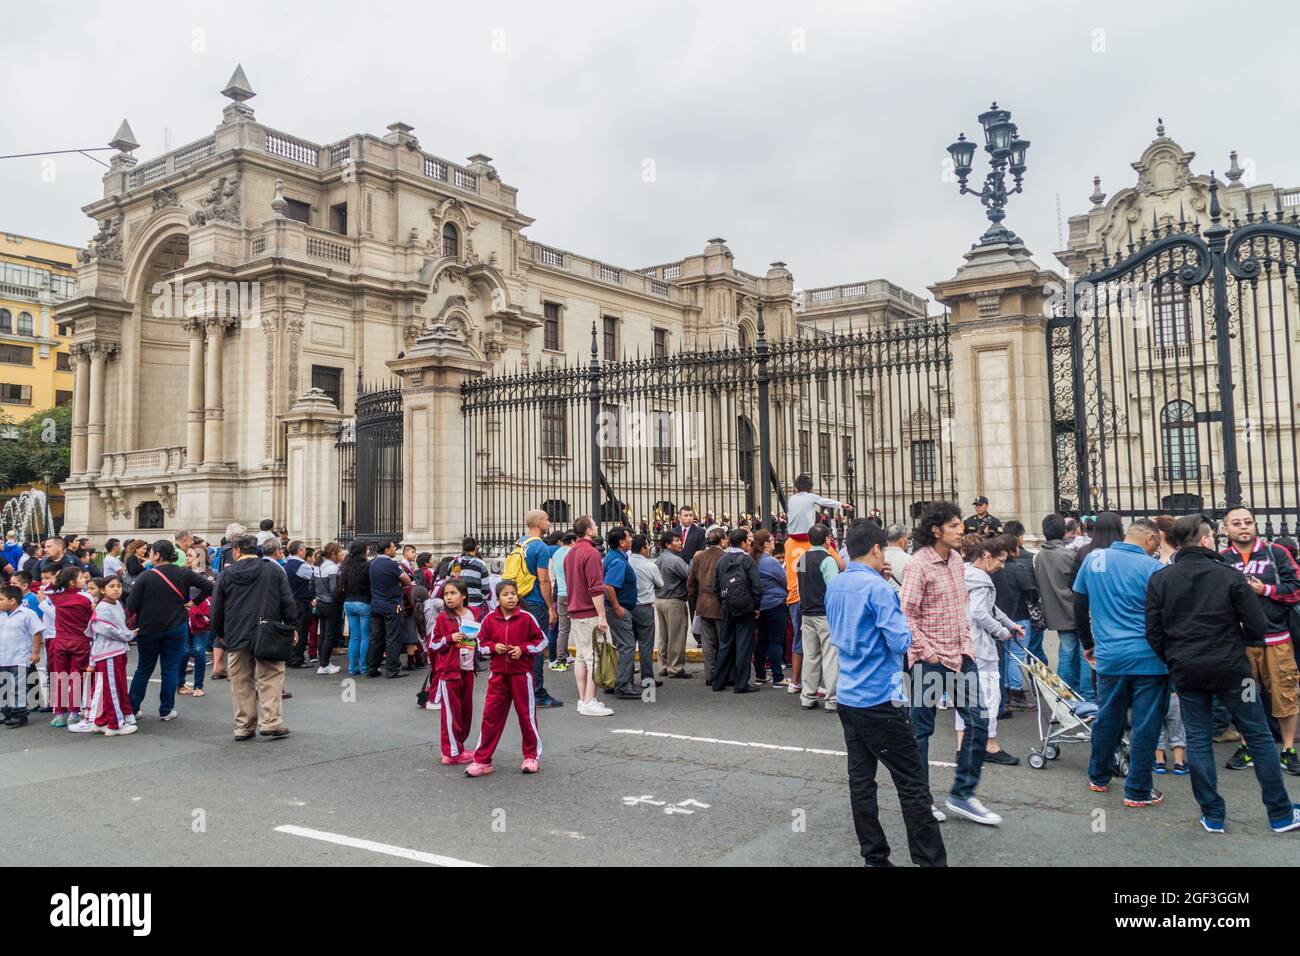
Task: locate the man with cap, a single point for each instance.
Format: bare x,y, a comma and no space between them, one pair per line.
981,522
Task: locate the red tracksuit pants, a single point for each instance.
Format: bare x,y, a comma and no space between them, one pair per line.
456,694
67,664
111,703
503,689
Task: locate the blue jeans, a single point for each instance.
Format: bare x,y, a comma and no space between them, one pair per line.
1015,647
967,703
1198,721
358,615
1072,668
196,646
164,646
1148,696
1035,644
538,611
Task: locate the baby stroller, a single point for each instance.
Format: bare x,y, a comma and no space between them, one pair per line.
1063,716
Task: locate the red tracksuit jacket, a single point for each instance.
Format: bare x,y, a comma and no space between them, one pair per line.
519,630
444,650
73,610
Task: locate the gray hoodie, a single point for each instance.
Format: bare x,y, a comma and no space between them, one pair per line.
1054,567
988,624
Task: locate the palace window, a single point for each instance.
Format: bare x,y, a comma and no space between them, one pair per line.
16,354
63,361
554,432
611,338
661,343
805,453
330,381
824,453
450,241
923,460
15,394
551,326
663,423
62,397
299,210
1178,441
149,515
743,337
6,320
1172,321
611,447
26,326
339,219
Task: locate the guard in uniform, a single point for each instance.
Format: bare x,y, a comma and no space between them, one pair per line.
981,522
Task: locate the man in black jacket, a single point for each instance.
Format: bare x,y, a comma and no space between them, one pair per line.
740,594
249,590
690,533
160,600
1015,585
1200,616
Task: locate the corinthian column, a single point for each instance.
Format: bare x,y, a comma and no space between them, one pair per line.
194,414
80,408
99,353
214,410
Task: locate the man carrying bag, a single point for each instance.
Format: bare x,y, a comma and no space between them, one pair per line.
253,618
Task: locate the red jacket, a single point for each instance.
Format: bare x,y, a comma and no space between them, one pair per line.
584,578
444,652
518,630
72,613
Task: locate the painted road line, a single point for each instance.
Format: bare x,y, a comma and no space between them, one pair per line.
386,848
750,743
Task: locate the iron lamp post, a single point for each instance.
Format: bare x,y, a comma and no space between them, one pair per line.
1006,154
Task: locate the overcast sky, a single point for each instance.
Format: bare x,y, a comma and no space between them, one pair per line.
812,133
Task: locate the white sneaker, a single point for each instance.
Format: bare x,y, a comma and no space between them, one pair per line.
328,669
121,731
831,705
972,809
172,716
938,814
793,688
431,706
593,708
83,727
131,720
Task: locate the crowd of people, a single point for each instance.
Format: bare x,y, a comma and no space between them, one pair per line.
1169,643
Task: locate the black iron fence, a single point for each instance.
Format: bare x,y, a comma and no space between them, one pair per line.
370,467
866,414
1171,376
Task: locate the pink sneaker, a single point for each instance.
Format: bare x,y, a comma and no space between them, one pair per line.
448,761
529,765
465,757
476,769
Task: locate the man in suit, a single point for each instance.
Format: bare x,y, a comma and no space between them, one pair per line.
692,534
699,591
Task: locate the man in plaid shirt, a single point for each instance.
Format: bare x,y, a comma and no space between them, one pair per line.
934,600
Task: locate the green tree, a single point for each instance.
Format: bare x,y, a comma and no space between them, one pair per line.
36,449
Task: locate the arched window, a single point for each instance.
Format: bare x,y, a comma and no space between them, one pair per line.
450,241
1178,441
149,515
6,321
25,324
744,337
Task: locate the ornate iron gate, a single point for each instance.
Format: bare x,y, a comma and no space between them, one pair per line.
1170,373
376,475
862,413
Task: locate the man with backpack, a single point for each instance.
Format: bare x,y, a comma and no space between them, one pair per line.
739,591
527,567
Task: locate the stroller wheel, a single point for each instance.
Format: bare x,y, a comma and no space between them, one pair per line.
1123,767
1037,760
1051,751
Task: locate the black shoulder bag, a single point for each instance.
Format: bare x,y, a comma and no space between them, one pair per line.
272,639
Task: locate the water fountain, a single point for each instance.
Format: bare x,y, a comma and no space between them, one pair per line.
28,514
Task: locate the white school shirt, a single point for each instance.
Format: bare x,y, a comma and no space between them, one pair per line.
112,565
16,630
801,511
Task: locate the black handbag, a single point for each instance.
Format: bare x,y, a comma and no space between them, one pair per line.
422,695
272,639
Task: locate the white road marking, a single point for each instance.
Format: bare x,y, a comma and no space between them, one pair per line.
750,743
374,847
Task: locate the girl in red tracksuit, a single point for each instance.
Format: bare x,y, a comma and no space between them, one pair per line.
513,639
453,670
69,652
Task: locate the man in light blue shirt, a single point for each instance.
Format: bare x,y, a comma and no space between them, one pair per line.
1110,615
870,632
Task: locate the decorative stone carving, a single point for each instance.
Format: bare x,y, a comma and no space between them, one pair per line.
268,438
221,204
294,327
315,295
106,245
162,198
278,204
166,495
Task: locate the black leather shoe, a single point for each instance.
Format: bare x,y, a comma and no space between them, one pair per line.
747,689
682,676
1001,757
627,695
242,737
276,732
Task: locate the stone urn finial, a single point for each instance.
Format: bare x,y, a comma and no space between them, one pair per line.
278,204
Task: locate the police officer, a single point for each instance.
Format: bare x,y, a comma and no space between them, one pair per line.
981,522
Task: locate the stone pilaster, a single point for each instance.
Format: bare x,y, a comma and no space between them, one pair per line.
1001,422
433,453
312,467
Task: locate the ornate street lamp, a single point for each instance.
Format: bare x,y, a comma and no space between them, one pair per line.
1006,153
851,473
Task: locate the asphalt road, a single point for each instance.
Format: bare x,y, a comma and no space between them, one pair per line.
693,778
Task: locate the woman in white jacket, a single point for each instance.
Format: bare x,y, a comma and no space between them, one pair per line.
988,625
